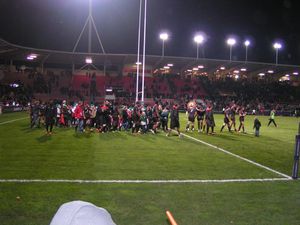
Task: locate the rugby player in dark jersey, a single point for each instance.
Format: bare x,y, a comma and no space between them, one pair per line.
226,119
174,121
209,119
200,118
242,115
233,111
191,112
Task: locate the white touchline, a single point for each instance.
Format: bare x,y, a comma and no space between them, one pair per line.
237,156
11,121
140,181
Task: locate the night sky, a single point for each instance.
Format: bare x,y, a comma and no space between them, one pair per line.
56,24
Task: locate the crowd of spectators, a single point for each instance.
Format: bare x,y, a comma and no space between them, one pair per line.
255,95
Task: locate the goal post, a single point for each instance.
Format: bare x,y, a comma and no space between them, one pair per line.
296,156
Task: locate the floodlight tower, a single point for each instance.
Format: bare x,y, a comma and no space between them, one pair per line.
91,24
277,46
198,39
246,43
231,42
164,37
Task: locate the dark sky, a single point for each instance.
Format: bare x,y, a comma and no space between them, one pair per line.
56,24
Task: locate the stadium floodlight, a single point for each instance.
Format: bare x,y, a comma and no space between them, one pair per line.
198,39
170,65
164,37
295,73
277,46
246,43
270,71
88,60
231,42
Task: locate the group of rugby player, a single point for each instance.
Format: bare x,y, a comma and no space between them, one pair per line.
205,118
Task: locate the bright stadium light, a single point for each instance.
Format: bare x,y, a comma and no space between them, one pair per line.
246,43
88,60
295,73
170,64
270,71
231,42
198,39
277,46
243,69
164,37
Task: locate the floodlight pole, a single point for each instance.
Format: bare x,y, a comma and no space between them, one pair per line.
90,27
163,48
246,57
230,52
276,60
197,50
91,24
138,55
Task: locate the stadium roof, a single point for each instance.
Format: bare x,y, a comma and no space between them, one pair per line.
9,51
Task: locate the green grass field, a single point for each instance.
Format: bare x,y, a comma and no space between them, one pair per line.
30,154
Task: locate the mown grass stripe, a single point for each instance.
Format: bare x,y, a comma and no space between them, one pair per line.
237,156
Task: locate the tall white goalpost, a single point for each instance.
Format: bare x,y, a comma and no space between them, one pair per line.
144,53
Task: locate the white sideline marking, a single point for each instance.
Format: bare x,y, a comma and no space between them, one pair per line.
11,121
239,157
141,181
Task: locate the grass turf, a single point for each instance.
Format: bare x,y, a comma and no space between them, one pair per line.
29,154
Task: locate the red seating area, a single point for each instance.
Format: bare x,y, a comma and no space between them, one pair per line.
79,85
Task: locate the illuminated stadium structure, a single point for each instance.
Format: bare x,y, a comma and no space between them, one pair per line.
124,65
132,75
